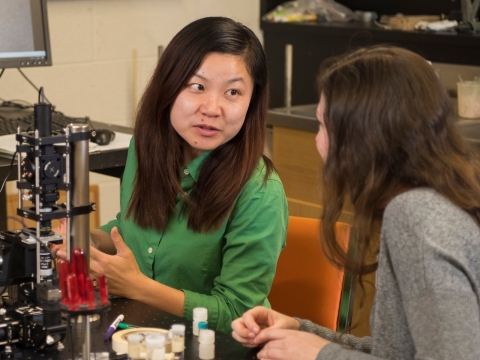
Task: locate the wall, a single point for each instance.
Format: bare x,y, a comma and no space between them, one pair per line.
104,52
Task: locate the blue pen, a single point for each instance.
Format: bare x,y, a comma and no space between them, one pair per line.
113,327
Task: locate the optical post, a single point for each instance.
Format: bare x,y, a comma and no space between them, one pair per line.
48,162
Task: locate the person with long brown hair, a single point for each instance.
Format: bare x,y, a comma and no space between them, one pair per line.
391,148
203,213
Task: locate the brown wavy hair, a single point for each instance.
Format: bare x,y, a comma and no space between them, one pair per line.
390,128
159,149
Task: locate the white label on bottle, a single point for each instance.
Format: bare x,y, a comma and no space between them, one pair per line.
177,344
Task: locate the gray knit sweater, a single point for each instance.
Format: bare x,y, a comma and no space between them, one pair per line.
428,286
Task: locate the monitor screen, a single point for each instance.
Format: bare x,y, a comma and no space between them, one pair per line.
24,39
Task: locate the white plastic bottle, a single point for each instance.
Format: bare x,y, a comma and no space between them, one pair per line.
199,314
206,347
134,346
155,347
178,341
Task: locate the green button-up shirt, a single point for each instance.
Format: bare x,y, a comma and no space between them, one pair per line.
228,271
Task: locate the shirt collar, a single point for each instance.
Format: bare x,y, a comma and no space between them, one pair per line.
195,165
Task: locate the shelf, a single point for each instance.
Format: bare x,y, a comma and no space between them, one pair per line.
314,42
378,34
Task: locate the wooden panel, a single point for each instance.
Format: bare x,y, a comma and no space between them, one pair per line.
16,222
311,210
299,166
303,209
364,295
298,163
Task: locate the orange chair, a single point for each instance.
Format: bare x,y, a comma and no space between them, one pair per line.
306,284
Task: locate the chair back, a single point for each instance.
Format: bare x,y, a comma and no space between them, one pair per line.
306,284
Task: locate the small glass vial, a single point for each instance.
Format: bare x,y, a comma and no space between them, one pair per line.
134,346
199,314
178,341
155,347
206,347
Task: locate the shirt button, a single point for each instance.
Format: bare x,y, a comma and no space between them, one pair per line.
186,172
150,250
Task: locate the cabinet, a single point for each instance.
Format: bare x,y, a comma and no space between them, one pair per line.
314,42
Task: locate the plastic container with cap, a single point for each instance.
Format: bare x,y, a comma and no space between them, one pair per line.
469,99
206,347
178,340
134,346
155,347
199,314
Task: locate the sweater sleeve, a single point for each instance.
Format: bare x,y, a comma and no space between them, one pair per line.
340,342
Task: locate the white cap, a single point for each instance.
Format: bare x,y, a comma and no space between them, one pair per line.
135,338
178,329
200,314
155,340
206,337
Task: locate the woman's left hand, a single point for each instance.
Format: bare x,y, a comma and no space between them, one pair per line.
284,344
121,270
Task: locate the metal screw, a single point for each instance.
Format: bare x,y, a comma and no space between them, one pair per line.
49,340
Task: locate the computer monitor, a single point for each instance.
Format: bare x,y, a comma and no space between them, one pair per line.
24,37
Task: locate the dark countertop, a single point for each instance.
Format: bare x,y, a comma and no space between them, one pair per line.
302,117
142,315
463,47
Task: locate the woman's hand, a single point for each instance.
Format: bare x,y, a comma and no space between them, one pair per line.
121,270
284,344
247,328
60,250
61,229
278,333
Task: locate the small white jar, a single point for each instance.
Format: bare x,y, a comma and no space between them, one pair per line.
199,314
134,346
155,347
206,347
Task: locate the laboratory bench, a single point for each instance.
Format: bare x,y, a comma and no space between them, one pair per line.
144,316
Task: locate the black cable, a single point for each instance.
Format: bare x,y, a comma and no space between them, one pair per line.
31,83
90,123
69,329
10,260
1,73
107,343
74,335
18,103
13,218
9,171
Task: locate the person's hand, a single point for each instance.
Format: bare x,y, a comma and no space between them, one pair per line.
61,229
281,344
60,250
121,270
247,328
